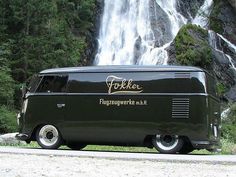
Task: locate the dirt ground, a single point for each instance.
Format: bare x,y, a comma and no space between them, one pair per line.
12,165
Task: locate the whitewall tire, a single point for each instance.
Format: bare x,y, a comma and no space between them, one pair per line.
48,137
168,144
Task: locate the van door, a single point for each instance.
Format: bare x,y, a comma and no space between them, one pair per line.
48,104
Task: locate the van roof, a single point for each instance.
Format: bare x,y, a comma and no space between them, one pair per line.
128,68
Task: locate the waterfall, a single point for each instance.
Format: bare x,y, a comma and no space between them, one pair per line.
201,18
177,20
137,32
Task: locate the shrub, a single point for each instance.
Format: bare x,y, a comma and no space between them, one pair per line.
7,120
229,125
215,23
220,89
6,87
192,46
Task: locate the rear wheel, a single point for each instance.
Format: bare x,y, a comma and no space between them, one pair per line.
48,137
168,144
75,146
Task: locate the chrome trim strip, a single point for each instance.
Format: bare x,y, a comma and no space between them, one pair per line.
106,94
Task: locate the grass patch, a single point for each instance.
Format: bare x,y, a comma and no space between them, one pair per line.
227,148
119,149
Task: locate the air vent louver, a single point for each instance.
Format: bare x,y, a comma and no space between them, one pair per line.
180,108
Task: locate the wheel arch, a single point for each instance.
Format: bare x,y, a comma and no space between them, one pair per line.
33,134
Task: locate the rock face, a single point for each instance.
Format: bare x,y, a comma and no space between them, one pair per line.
9,139
91,38
172,54
231,94
160,24
233,3
189,8
222,20
223,64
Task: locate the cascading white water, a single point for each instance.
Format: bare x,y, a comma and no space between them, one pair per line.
201,18
214,40
177,20
127,34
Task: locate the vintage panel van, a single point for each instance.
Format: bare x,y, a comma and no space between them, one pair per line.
172,108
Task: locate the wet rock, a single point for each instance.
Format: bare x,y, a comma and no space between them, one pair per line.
222,70
189,8
223,64
231,94
172,54
222,20
137,49
160,24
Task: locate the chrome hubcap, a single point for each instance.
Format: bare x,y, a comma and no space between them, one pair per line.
48,135
167,142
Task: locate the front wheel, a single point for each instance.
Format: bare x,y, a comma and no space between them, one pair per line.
48,137
167,144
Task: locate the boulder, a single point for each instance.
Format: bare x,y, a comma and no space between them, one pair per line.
191,47
10,139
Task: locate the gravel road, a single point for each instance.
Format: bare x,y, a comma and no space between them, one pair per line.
17,165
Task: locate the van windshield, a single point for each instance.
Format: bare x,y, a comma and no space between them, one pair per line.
34,83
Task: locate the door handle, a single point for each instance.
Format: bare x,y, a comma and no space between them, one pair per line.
61,105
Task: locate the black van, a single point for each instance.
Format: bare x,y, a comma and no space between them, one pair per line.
172,108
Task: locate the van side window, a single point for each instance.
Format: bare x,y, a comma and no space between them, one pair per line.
52,84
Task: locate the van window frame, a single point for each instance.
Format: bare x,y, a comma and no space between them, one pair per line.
56,74
37,85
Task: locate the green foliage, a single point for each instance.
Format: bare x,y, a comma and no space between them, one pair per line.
6,87
7,120
6,81
229,125
39,34
47,34
214,22
192,47
220,89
